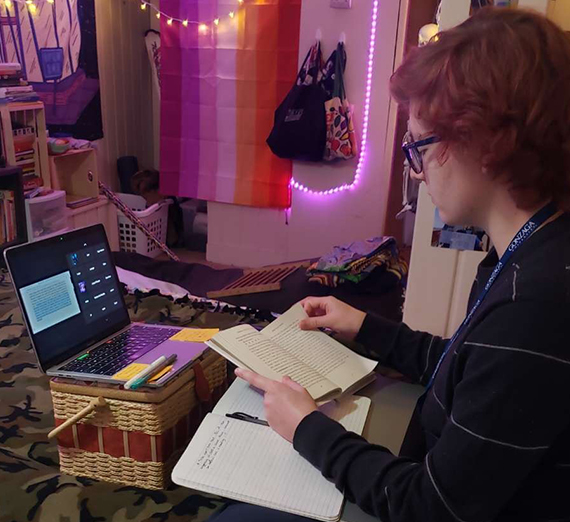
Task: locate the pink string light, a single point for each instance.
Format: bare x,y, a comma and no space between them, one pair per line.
341,188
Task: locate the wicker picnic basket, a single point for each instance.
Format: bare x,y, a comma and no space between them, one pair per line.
134,437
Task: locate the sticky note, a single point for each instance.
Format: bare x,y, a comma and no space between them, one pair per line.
165,370
132,369
195,335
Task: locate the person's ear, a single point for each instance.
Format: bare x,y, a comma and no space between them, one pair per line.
442,153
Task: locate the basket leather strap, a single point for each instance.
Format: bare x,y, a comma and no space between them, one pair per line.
201,384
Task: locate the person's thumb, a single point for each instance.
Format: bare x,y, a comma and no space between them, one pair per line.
312,323
291,383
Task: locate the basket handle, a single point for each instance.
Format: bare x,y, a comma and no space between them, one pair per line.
97,402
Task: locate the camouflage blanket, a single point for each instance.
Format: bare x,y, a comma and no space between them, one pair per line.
31,487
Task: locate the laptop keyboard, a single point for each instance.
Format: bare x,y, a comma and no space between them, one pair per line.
120,351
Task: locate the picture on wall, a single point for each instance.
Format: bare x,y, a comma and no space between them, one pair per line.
56,45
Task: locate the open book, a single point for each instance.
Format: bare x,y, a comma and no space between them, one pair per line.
316,361
251,463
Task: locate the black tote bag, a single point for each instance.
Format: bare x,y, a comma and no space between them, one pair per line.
299,129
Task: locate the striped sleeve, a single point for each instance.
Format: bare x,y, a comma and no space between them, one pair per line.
412,353
509,406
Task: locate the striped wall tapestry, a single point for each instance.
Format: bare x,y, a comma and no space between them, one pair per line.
221,84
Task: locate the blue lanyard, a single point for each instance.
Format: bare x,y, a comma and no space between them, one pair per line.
523,234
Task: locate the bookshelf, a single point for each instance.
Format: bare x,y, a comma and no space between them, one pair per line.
11,181
24,141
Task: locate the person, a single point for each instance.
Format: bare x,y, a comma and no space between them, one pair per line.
489,106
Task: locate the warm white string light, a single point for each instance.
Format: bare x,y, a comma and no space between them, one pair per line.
32,5
203,26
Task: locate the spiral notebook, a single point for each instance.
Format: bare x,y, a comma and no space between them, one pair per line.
251,463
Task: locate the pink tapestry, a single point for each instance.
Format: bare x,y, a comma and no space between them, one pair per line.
223,74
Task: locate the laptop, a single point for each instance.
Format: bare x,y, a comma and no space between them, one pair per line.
73,306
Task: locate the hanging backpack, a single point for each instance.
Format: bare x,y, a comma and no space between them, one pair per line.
340,136
299,129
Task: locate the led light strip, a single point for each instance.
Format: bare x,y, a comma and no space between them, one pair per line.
362,156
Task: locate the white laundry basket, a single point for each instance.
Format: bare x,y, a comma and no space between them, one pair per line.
155,217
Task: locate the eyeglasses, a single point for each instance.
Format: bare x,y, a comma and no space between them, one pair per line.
412,152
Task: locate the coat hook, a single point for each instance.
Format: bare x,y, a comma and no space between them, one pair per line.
319,34
342,38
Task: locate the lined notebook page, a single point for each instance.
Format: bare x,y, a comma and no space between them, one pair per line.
240,396
251,463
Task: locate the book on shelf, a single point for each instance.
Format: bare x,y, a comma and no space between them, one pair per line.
24,153
10,67
325,367
30,97
10,81
25,160
250,462
16,90
32,181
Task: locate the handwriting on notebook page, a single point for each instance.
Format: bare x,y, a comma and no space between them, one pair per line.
214,446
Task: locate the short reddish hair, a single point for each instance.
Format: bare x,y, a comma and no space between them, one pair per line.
499,85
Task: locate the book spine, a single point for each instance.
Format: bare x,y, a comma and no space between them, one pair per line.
16,88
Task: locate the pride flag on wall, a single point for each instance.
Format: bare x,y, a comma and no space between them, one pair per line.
220,87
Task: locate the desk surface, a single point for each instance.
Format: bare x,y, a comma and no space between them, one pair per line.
392,405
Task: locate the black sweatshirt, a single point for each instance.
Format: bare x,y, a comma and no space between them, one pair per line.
495,427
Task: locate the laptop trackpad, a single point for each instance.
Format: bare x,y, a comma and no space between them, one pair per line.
185,354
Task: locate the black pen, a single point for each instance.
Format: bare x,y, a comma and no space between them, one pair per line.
247,418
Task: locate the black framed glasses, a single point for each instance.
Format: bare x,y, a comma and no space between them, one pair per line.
412,151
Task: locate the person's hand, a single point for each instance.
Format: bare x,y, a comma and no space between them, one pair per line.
329,312
286,403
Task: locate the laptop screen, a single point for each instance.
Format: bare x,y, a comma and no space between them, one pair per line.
69,291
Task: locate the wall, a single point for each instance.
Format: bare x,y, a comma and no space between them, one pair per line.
440,279
125,78
253,237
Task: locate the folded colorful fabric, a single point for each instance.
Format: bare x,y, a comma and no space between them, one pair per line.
355,261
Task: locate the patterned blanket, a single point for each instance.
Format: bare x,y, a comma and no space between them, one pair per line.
31,487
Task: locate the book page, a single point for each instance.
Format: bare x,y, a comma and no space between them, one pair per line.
252,463
248,348
316,349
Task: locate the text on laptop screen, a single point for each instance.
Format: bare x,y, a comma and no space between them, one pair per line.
70,293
